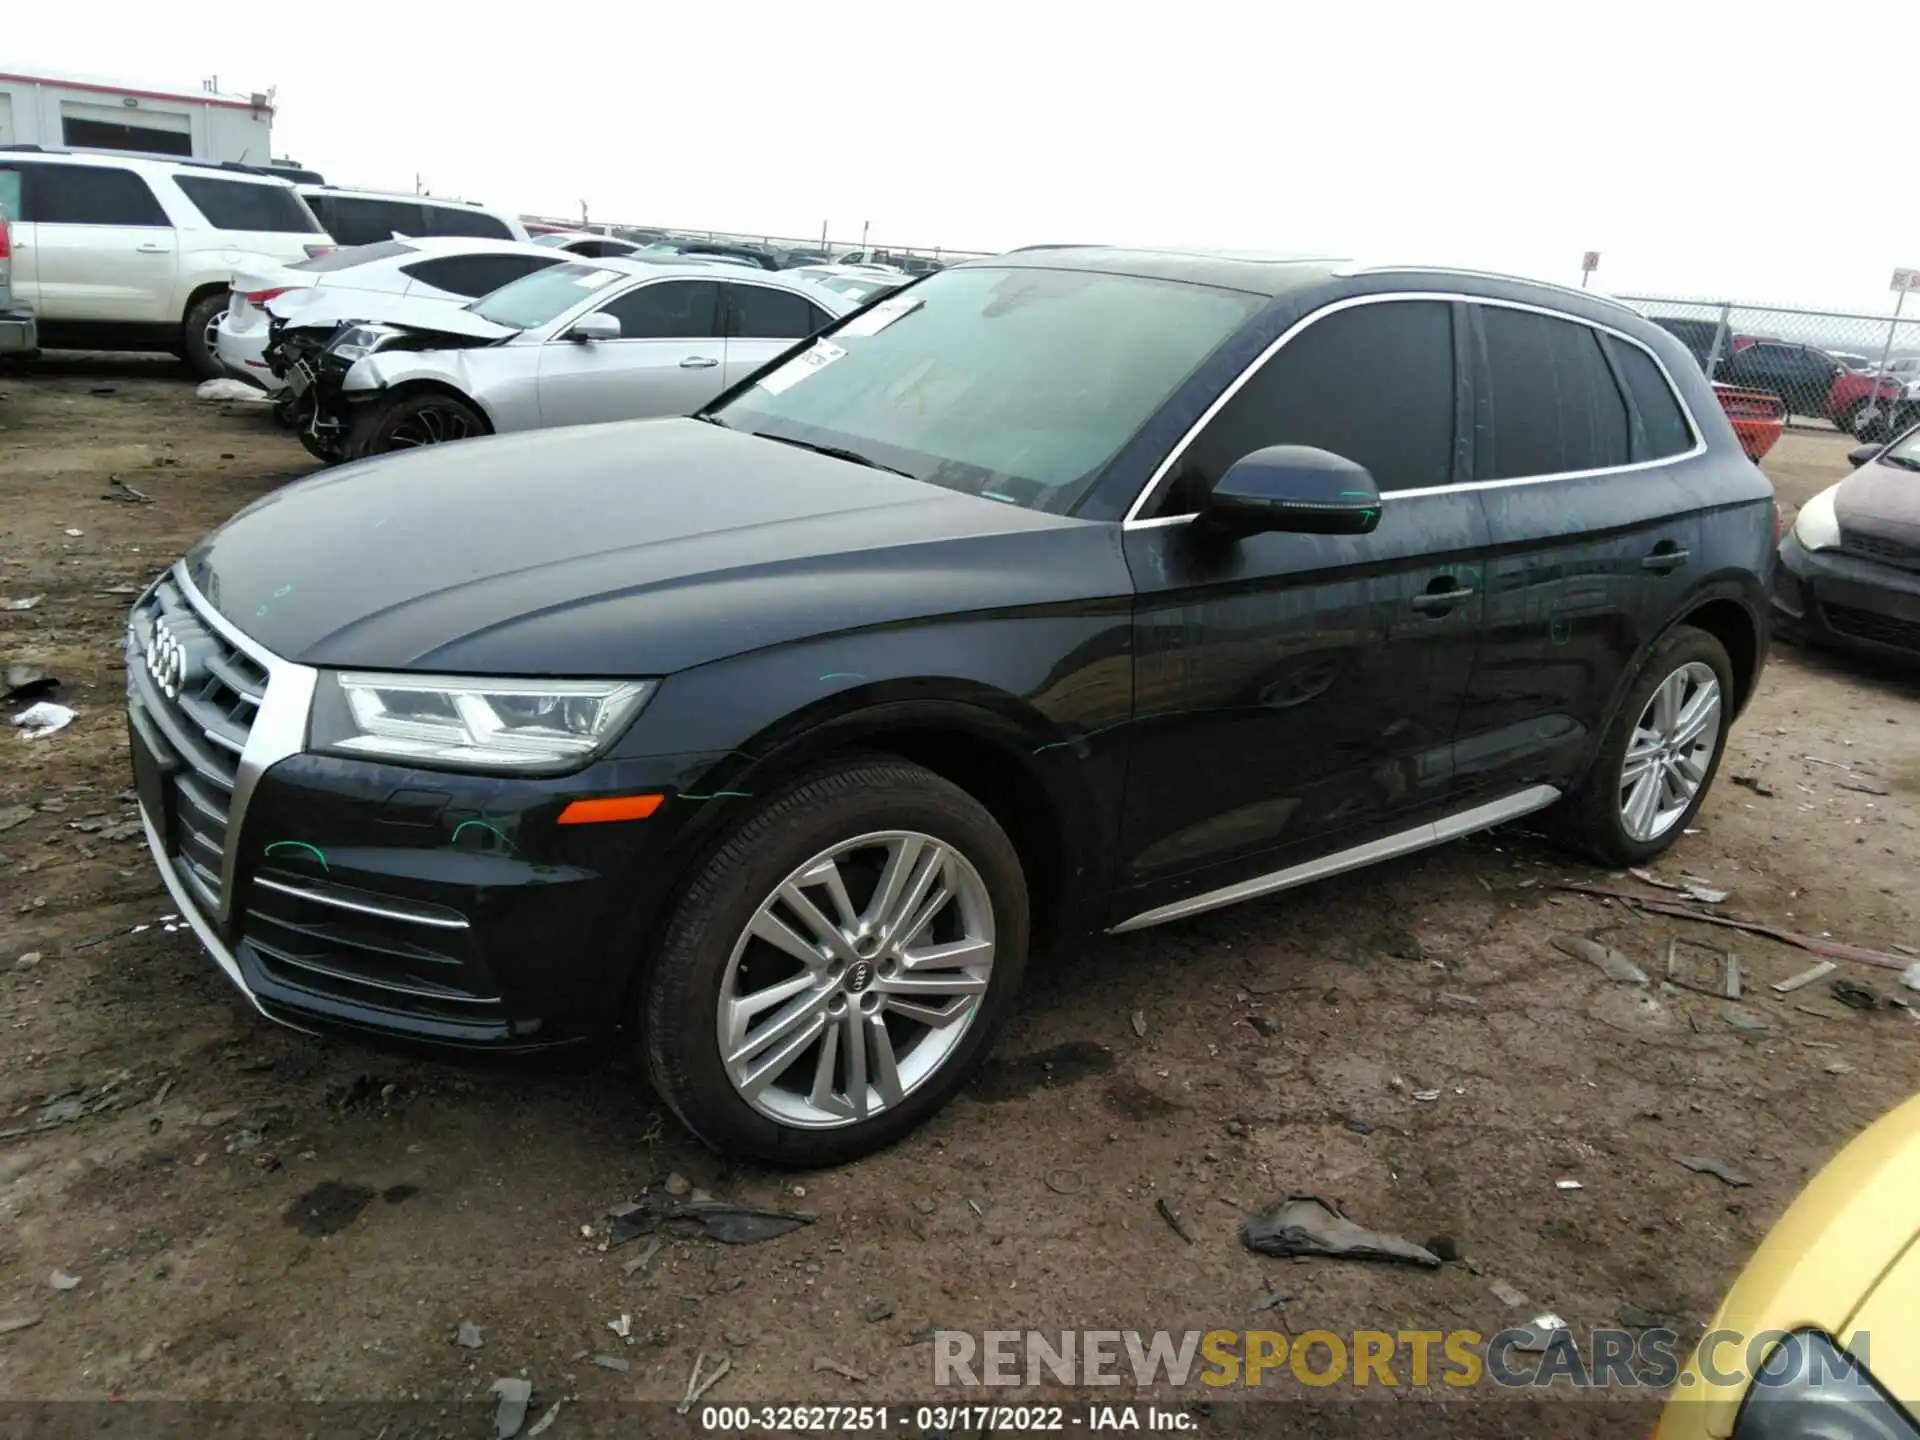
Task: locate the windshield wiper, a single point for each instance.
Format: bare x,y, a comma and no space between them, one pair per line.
1905,462
835,452
714,420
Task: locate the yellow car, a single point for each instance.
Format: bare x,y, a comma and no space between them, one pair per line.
1819,1339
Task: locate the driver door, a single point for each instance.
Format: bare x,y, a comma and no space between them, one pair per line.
668,360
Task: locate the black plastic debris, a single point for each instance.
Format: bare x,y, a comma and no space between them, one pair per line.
717,1220
1707,1165
1308,1225
1855,996
27,682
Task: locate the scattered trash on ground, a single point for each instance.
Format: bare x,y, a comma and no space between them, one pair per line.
124,492
715,1219
644,1258
1540,1332
24,603
623,1327
1691,886
1507,1295
1910,977
1272,1300
43,719
1173,1221
1742,1020
513,1392
827,1362
18,1322
1817,971
25,681
1855,996
1832,949
1568,1185
1308,1225
1719,1169
1723,979
1865,787
1139,1022
13,815
61,1280
1065,1182
221,388
1446,1247
545,1422
611,1362
1426,1096
876,1312
1609,962
467,1335
1756,783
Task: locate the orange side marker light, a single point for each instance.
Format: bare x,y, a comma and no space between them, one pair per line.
615,807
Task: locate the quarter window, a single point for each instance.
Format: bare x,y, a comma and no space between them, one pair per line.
1550,405
760,312
1663,430
669,310
1373,383
90,195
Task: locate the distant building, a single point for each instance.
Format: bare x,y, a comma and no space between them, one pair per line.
76,112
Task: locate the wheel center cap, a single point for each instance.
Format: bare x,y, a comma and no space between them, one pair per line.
859,976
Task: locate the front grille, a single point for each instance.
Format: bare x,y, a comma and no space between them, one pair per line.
1871,625
193,695
1877,547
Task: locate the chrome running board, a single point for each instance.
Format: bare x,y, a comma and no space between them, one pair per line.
1420,837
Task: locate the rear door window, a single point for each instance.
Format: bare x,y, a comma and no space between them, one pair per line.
90,195
354,220
1550,404
668,310
761,312
247,205
1373,383
1663,430
475,275
463,220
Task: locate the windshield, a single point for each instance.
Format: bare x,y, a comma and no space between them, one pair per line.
1016,384
559,238
1904,452
545,295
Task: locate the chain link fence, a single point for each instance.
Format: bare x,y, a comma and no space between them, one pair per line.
1857,373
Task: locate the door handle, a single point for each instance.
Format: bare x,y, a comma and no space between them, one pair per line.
698,362
1663,560
151,249
1431,601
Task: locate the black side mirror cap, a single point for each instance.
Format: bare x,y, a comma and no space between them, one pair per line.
1862,454
1293,489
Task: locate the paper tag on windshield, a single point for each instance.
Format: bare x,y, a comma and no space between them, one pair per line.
594,279
873,321
822,354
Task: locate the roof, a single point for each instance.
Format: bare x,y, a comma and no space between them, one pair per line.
137,159
104,86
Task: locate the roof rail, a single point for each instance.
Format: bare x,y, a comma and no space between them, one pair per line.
1594,295
273,172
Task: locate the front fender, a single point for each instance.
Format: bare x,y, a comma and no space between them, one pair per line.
394,370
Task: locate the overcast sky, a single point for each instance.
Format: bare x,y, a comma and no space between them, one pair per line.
1698,151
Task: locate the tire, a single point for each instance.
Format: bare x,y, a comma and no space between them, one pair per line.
327,444
708,955
1593,818
410,419
196,335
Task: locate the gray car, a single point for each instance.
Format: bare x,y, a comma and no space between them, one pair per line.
575,344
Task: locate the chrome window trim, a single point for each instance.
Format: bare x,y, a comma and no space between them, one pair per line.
279,725
1132,520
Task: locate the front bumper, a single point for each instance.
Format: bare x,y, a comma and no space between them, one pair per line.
19,331
1830,597
442,908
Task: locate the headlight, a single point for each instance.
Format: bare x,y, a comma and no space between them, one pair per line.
361,341
1816,526
1809,1390
526,725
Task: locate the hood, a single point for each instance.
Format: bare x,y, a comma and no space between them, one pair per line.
325,308
1880,499
636,548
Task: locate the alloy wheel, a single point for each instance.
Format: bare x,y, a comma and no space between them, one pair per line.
211,338
856,979
429,425
1670,752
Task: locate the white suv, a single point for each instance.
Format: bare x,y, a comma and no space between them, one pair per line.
129,252
367,217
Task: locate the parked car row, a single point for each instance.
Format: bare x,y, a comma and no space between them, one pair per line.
1852,392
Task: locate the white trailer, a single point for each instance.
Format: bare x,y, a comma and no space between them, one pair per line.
77,112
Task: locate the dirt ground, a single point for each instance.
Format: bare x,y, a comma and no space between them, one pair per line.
252,1214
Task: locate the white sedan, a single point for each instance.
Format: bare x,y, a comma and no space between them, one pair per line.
449,270
579,343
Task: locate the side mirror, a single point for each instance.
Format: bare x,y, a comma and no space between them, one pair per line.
1861,454
1294,489
597,326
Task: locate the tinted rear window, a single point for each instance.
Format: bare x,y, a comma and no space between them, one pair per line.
348,256
1551,405
355,221
246,205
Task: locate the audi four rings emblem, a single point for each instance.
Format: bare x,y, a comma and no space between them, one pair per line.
166,661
